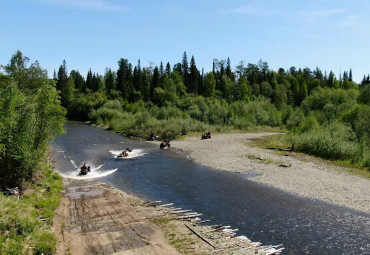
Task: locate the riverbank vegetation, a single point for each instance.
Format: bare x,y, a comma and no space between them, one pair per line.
25,223
31,115
323,115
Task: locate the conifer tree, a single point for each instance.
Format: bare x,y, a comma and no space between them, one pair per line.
161,70
124,78
78,80
302,90
330,81
185,71
62,76
155,82
89,82
137,76
229,72
109,81
194,76
168,68
350,74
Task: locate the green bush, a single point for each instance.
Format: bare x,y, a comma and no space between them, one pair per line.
334,141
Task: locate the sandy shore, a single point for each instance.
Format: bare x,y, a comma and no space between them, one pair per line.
305,176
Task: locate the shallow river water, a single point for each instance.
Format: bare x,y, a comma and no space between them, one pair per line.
264,214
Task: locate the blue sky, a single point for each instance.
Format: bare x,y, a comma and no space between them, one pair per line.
333,35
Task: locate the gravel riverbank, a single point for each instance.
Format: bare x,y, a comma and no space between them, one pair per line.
298,174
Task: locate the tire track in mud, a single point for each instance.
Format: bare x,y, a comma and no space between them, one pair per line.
101,221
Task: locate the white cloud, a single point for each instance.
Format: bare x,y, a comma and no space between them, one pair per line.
254,8
99,5
353,17
325,13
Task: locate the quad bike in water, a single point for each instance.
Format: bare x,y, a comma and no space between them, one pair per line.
165,144
84,170
124,153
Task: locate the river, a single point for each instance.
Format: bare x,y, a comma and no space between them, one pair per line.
262,213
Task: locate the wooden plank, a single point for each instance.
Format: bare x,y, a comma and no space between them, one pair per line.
165,205
189,216
201,237
181,211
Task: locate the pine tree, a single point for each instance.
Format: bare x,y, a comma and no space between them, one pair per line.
62,76
89,83
168,68
161,70
155,82
229,72
78,80
124,78
363,82
185,71
109,81
331,79
350,74
302,90
194,75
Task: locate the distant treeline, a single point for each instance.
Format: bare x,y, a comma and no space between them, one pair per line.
326,116
162,84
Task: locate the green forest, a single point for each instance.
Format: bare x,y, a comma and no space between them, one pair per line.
323,115
320,114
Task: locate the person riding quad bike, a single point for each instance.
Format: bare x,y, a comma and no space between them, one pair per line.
123,154
152,137
165,144
207,135
84,169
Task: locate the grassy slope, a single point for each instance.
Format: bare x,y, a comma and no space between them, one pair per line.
21,230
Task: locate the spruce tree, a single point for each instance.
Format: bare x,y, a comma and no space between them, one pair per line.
124,78
62,76
194,73
109,81
229,72
161,70
185,71
89,77
168,68
155,82
78,80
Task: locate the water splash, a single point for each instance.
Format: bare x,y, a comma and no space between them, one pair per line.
95,172
133,154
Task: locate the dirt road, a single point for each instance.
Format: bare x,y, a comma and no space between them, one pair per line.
96,219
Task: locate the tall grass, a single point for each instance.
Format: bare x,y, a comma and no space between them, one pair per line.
22,231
